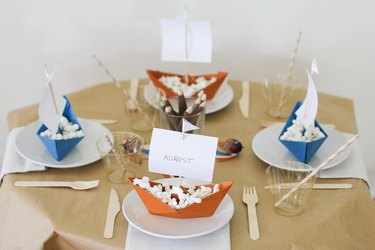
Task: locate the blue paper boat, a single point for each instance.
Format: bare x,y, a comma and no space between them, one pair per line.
303,151
60,148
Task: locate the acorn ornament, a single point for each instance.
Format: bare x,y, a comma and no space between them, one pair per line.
231,146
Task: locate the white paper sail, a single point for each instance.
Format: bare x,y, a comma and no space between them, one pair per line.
49,113
186,41
309,108
187,126
314,67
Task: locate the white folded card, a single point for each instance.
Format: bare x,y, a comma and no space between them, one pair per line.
187,155
13,162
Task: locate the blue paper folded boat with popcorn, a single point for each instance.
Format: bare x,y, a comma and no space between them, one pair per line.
61,130
302,135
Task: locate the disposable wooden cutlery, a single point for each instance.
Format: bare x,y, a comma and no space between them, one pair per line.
250,197
244,100
317,186
103,121
77,185
112,211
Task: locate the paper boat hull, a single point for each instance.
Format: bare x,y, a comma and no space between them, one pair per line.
60,148
302,151
206,208
209,90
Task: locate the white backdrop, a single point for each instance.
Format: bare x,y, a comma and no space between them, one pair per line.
251,39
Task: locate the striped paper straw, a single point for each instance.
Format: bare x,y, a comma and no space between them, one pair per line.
289,73
315,171
114,151
124,90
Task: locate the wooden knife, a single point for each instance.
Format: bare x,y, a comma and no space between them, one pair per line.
113,209
244,100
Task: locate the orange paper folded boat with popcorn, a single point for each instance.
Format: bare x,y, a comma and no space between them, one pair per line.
206,208
210,90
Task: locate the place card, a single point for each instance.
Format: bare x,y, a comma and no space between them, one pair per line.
182,154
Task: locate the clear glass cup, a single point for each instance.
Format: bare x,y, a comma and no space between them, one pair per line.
122,156
174,122
282,179
280,99
142,115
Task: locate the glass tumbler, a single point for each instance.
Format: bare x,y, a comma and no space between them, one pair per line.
279,94
121,153
174,121
282,179
138,105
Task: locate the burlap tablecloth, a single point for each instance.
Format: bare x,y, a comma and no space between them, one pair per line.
50,218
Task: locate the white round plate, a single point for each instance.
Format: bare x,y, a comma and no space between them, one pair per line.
138,216
270,150
28,145
222,98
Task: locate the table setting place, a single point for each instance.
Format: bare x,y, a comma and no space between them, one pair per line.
172,178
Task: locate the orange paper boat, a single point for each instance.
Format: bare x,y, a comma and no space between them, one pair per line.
210,90
206,208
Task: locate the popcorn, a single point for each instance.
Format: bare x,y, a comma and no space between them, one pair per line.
191,190
173,203
178,190
166,187
297,132
301,142
174,83
175,196
143,183
68,129
216,188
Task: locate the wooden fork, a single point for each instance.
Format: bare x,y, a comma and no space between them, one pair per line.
250,197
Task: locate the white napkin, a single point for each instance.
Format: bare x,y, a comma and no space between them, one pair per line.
352,167
13,162
218,240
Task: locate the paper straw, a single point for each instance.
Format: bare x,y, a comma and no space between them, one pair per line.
290,70
292,60
114,80
315,171
124,90
114,151
186,48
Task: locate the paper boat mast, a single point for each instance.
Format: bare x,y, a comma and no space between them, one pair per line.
51,106
51,88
